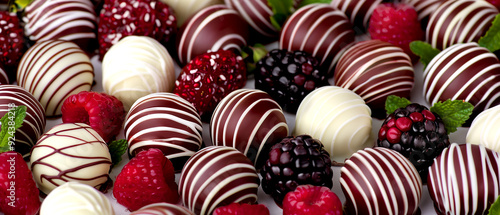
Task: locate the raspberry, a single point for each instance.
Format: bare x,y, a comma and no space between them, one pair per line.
206,79
18,189
242,209
147,178
12,45
397,24
295,161
415,132
121,18
309,199
104,113
289,76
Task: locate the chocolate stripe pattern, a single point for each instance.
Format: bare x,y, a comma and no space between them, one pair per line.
215,176
485,129
53,70
374,70
184,9
380,181
34,122
358,11
464,72
461,21
424,8
167,122
162,209
464,179
70,152
211,29
257,13
320,30
250,121
4,79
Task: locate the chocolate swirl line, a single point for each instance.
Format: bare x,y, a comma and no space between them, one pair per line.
257,14
359,12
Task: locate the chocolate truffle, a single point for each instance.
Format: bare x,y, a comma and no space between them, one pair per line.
70,20
258,14
4,79
34,123
358,12
135,67
464,179
212,28
167,122
380,181
52,70
485,129
216,176
459,22
464,72
187,8
319,29
424,8
337,117
70,152
76,198
374,70
250,121
162,208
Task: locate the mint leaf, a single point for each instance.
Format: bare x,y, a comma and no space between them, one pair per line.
9,123
117,148
392,103
306,2
424,51
282,9
495,208
491,40
18,5
252,54
454,113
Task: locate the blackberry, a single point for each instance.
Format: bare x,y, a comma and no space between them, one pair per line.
417,133
289,76
293,162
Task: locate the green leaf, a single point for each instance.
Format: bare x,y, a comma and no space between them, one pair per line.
306,2
9,123
424,51
117,148
252,54
491,40
454,113
392,103
281,10
18,5
495,207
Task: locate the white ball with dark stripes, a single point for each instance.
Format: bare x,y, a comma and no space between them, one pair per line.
162,208
485,129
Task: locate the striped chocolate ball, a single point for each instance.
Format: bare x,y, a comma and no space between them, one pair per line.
464,179
34,123
4,78
162,208
358,11
257,13
52,70
250,121
464,72
167,122
380,181
70,20
374,70
320,30
211,29
186,8
460,21
424,8
217,176
485,129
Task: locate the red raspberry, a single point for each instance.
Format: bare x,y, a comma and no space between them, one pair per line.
16,181
242,209
397,24
209,77
120,18
147,178
309,199
11,41
104,113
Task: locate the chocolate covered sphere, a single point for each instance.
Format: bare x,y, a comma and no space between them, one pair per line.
217,176
319,29
424,8
375,70
250,121
52,70
464,179
167,122
485,129
464,72
70,152
186,8
162,208
4,79
358,11
212,28
34,123
258,14
459,21
380,181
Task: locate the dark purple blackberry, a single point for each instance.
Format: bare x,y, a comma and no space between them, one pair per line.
417,133
293,162
289,76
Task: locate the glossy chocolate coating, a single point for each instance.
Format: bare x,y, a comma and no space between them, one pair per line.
4,78
162,208
358,11
257,13
424,8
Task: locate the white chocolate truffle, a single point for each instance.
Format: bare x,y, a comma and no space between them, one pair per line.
184,9
485,129
70,152
76,199
339,118
52,70
135,67
162,208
